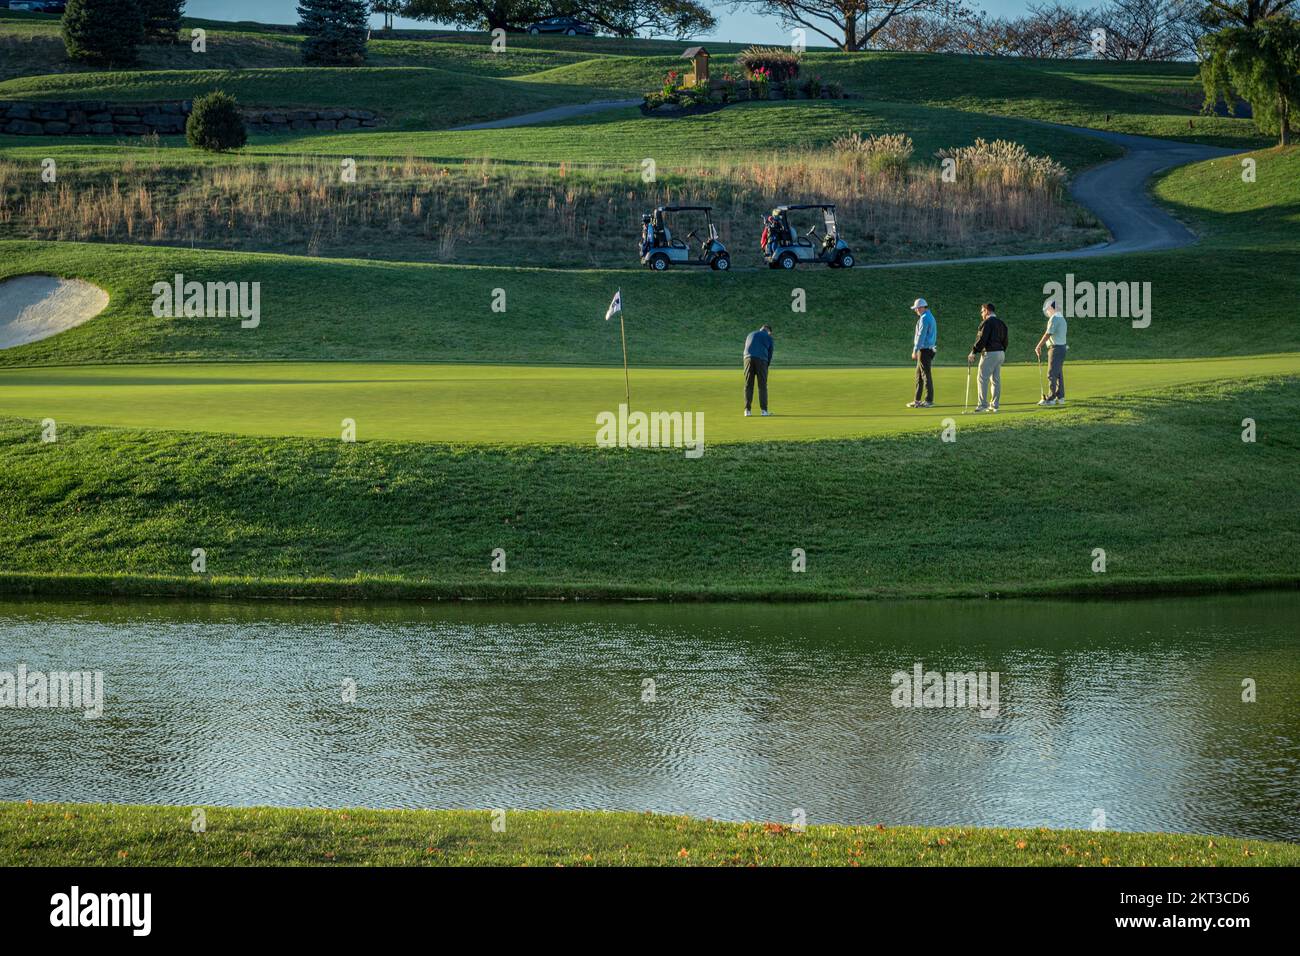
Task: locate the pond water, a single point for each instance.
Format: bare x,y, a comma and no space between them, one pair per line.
1129,709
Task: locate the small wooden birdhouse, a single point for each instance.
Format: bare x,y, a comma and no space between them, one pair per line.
699,75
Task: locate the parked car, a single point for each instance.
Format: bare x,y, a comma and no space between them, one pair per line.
569,26
38,6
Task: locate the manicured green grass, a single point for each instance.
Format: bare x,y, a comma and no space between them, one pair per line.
624,137
531,405
76,834
29,48
1161,480
621,138
415,97
1153,99
315,310
1229,211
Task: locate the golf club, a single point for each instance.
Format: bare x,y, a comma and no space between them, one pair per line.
1042,386
966,401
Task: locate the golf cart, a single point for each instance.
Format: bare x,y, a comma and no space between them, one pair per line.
784,248
659,249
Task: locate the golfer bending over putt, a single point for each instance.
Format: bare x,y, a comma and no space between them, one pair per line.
758,356
1055,339
991,346
924,340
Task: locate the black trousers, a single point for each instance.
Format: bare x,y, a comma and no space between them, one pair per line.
755,369
924,379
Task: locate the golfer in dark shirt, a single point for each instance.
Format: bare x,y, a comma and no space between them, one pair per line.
991,347
758,356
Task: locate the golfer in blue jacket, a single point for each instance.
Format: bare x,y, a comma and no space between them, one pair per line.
924,340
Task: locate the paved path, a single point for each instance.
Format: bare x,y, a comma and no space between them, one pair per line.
1116,193
551,115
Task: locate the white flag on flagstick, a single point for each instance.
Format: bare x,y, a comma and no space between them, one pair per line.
615,305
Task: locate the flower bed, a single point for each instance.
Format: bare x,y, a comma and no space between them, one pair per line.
760,85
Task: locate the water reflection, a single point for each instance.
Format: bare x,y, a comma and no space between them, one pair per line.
1134,708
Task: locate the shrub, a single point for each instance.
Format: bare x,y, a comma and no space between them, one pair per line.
693,96
813,87
790,88
215,123
162,20
835,90
779,63
335,30
1007,162
889,154
103,32
760,83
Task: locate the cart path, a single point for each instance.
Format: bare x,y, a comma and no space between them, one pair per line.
1116,193
550,115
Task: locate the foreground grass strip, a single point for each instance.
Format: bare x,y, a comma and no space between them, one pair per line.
1162,481
69,834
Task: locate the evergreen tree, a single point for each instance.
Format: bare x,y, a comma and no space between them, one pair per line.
103,32
336,31
162,19
1260,64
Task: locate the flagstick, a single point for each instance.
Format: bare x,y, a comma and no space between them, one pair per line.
627,388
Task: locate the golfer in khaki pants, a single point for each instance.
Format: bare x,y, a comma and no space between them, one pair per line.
991,346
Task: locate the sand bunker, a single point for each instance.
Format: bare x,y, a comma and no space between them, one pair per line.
36,307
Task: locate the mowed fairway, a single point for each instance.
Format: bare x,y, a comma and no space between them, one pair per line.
531,405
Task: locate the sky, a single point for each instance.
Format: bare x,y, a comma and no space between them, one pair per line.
732,27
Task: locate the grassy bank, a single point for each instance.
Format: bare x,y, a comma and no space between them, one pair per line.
1161,480
620,138
62,834
353,310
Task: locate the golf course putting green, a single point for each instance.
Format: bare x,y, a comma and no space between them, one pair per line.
531,405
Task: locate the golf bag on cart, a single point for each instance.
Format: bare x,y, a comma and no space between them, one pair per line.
775,229
654,234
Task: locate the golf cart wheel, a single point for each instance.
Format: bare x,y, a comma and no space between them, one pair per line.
571,32
659,262
787,260
721,263
534,31
846,260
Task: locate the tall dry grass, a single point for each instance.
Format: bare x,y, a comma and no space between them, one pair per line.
559,215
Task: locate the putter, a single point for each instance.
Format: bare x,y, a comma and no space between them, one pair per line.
966,401
1042,386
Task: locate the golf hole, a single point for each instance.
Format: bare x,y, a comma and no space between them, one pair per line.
34,307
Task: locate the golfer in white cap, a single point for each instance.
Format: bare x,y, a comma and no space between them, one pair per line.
923,345
1054,336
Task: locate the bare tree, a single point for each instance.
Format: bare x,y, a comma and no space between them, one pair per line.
932,32
849,24
987,36
1244,13
1146,30
1052,32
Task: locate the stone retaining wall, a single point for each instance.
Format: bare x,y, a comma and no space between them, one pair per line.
85,118
90,118
280,121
